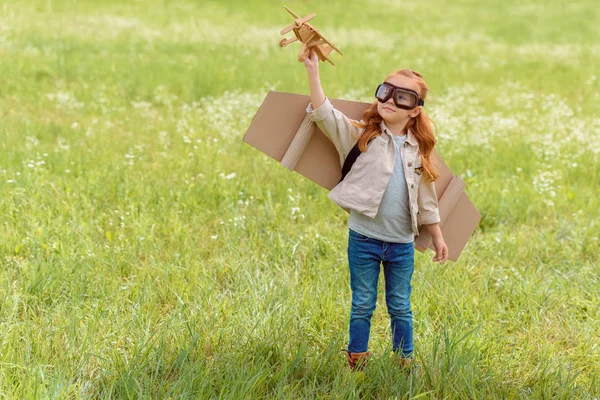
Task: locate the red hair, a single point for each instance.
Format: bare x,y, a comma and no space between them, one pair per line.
421,126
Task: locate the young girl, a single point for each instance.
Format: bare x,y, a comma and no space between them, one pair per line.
389,192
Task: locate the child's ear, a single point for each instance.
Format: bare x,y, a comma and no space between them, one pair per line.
416,111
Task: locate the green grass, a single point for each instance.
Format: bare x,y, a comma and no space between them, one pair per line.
147,252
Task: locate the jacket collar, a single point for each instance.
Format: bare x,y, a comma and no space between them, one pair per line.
410,137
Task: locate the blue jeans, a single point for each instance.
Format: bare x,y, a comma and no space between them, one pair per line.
365,255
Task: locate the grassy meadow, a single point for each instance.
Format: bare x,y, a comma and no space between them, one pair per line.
147,252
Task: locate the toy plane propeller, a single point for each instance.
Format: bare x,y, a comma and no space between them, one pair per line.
310,37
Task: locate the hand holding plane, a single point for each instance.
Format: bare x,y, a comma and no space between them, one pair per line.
310,37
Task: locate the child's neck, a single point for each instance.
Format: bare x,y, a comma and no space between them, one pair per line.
397,129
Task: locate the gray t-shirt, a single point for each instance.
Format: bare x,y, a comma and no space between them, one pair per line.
392,222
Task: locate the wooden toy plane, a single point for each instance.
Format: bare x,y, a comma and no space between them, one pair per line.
309,36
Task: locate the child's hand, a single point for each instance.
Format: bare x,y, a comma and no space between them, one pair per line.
312,61
441,250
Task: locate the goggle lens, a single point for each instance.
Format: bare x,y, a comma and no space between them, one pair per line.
407,99
383,93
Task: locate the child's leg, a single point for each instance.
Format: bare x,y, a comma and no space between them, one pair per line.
364,259
398,267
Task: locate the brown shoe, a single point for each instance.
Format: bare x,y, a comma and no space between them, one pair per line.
405,362
357,361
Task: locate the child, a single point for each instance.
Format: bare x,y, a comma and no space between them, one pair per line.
389,192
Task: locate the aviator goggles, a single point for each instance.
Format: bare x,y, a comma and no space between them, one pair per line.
404,98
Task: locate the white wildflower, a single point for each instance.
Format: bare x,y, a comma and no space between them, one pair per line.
229,176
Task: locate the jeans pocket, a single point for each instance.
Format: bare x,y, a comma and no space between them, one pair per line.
358,236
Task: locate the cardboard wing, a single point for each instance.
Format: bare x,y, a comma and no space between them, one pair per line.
282,129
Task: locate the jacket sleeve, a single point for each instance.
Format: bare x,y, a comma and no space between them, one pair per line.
428,203
338,128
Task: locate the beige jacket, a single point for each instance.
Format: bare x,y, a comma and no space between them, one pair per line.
363,187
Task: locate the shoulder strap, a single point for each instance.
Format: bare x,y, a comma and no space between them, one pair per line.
350,159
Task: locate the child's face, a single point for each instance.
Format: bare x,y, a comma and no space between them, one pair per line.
393,115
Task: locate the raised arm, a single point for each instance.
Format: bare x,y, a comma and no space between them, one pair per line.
338,128
317,97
